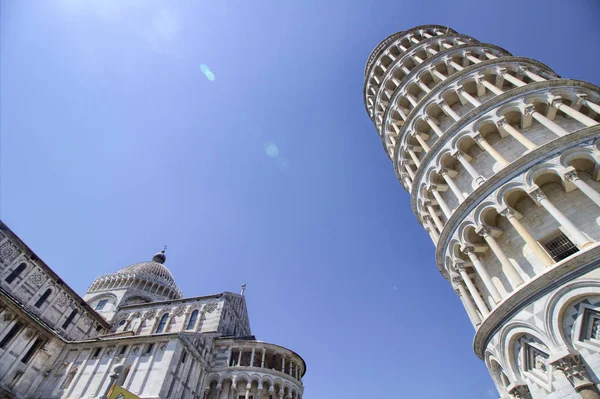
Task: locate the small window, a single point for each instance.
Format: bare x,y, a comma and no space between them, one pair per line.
43,298
122,322
98,328
36,345
149,349
183,357
10,334
192,322
15,273
559,246
123,349
100,305
162,323
96,353
69,319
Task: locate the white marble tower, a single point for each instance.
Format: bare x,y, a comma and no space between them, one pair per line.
501,158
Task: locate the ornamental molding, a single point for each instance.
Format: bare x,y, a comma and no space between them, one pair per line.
8,252
36,279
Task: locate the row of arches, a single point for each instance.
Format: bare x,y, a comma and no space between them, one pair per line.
534,221
395,46
462,162
459,95
250,386
419,70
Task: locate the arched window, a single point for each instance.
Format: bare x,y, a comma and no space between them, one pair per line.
192,323
162,323
43,298
15,273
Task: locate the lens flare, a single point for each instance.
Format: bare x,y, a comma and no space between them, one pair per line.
272,150
207,72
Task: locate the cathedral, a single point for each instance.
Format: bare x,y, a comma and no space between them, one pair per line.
132,329
501,159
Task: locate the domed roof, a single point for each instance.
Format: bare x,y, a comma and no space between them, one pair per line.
149,269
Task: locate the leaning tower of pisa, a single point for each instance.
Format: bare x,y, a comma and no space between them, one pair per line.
501,157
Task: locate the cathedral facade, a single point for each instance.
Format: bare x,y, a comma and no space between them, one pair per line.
133,328
501,157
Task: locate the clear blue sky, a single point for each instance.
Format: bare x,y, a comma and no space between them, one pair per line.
114,142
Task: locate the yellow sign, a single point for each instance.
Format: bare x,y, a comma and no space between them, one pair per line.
117,392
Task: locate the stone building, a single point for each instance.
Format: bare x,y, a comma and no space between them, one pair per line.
501,158
134,328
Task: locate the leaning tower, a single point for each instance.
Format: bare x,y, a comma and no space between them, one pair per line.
501,157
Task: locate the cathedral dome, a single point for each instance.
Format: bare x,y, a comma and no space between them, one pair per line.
150,269
152,276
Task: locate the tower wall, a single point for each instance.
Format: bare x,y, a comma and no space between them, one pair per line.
501,158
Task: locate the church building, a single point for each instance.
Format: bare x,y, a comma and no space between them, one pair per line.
133,328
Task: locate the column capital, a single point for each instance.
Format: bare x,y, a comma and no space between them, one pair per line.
442,171
459,266
581,99
537,195
478,137
508,212
457,292
468,249
457,280
571,175
501,122
528,109
442,103
520,392
457,154
479,79
574,369
404,162
430,187
427,203
555,101
501,71
484,231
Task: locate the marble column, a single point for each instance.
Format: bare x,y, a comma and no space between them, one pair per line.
531,242
585,188
467,303
508,269
479,180
578,237
483,309
487,147
503,125
483,274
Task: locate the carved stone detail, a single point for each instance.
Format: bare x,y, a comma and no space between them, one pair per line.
573,368
520,392
210,307
36,279
63,299
8,252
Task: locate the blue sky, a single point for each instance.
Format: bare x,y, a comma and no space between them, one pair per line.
115,140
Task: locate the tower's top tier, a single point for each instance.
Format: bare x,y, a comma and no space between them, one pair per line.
398,36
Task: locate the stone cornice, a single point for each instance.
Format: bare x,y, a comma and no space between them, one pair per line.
504,175
457,76
553,277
